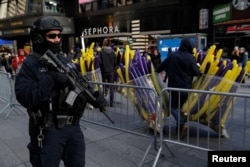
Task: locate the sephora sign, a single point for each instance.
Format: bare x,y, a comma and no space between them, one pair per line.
101,30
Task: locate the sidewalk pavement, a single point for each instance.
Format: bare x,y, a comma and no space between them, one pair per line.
105,147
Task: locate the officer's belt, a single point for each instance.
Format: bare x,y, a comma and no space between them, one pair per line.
62,120
68,119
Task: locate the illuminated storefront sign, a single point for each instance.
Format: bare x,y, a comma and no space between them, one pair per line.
222,13
15,32
101,30
239,28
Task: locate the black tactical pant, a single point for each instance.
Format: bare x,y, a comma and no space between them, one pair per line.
109,77
65,144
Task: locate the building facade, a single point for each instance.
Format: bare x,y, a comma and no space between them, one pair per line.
142,22
17,17
139,23
231,24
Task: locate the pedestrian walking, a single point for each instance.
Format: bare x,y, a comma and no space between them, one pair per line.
180,67
107,62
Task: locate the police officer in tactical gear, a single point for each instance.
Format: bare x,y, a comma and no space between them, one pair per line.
54,128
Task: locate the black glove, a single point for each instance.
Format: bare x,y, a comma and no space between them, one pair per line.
45,63
61,80
100,101
80,102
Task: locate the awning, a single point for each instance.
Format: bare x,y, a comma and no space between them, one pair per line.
159,32
233,22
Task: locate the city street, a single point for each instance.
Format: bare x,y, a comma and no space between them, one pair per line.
113,147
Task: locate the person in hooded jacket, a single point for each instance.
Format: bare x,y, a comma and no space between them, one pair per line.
18,59
166,76
5,61
108,63
155,58
180,67
54,124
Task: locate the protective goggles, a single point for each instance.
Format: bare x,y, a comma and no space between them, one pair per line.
53,36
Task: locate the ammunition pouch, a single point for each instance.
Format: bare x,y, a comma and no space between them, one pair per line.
61,102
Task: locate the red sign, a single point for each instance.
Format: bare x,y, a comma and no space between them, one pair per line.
239,28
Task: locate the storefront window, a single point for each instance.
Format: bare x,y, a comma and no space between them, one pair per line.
21,6
12,8
34,6
53,6
86,5
93,5
3,9
16,8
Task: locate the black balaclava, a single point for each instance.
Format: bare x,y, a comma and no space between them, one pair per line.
41,48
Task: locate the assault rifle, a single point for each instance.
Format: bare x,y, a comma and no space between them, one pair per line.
81,82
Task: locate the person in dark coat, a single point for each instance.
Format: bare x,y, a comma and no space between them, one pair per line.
155,58
108,63
5,61
243,58
54,128
180,67
18,59
166,76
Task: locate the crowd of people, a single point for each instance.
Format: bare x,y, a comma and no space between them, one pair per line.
241,55
10,62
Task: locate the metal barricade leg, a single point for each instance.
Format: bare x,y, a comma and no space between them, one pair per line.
146,153
12,108
165,144
7,94
4,108
161,140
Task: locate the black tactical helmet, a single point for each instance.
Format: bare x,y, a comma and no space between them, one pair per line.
46,23
43,25
37,33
